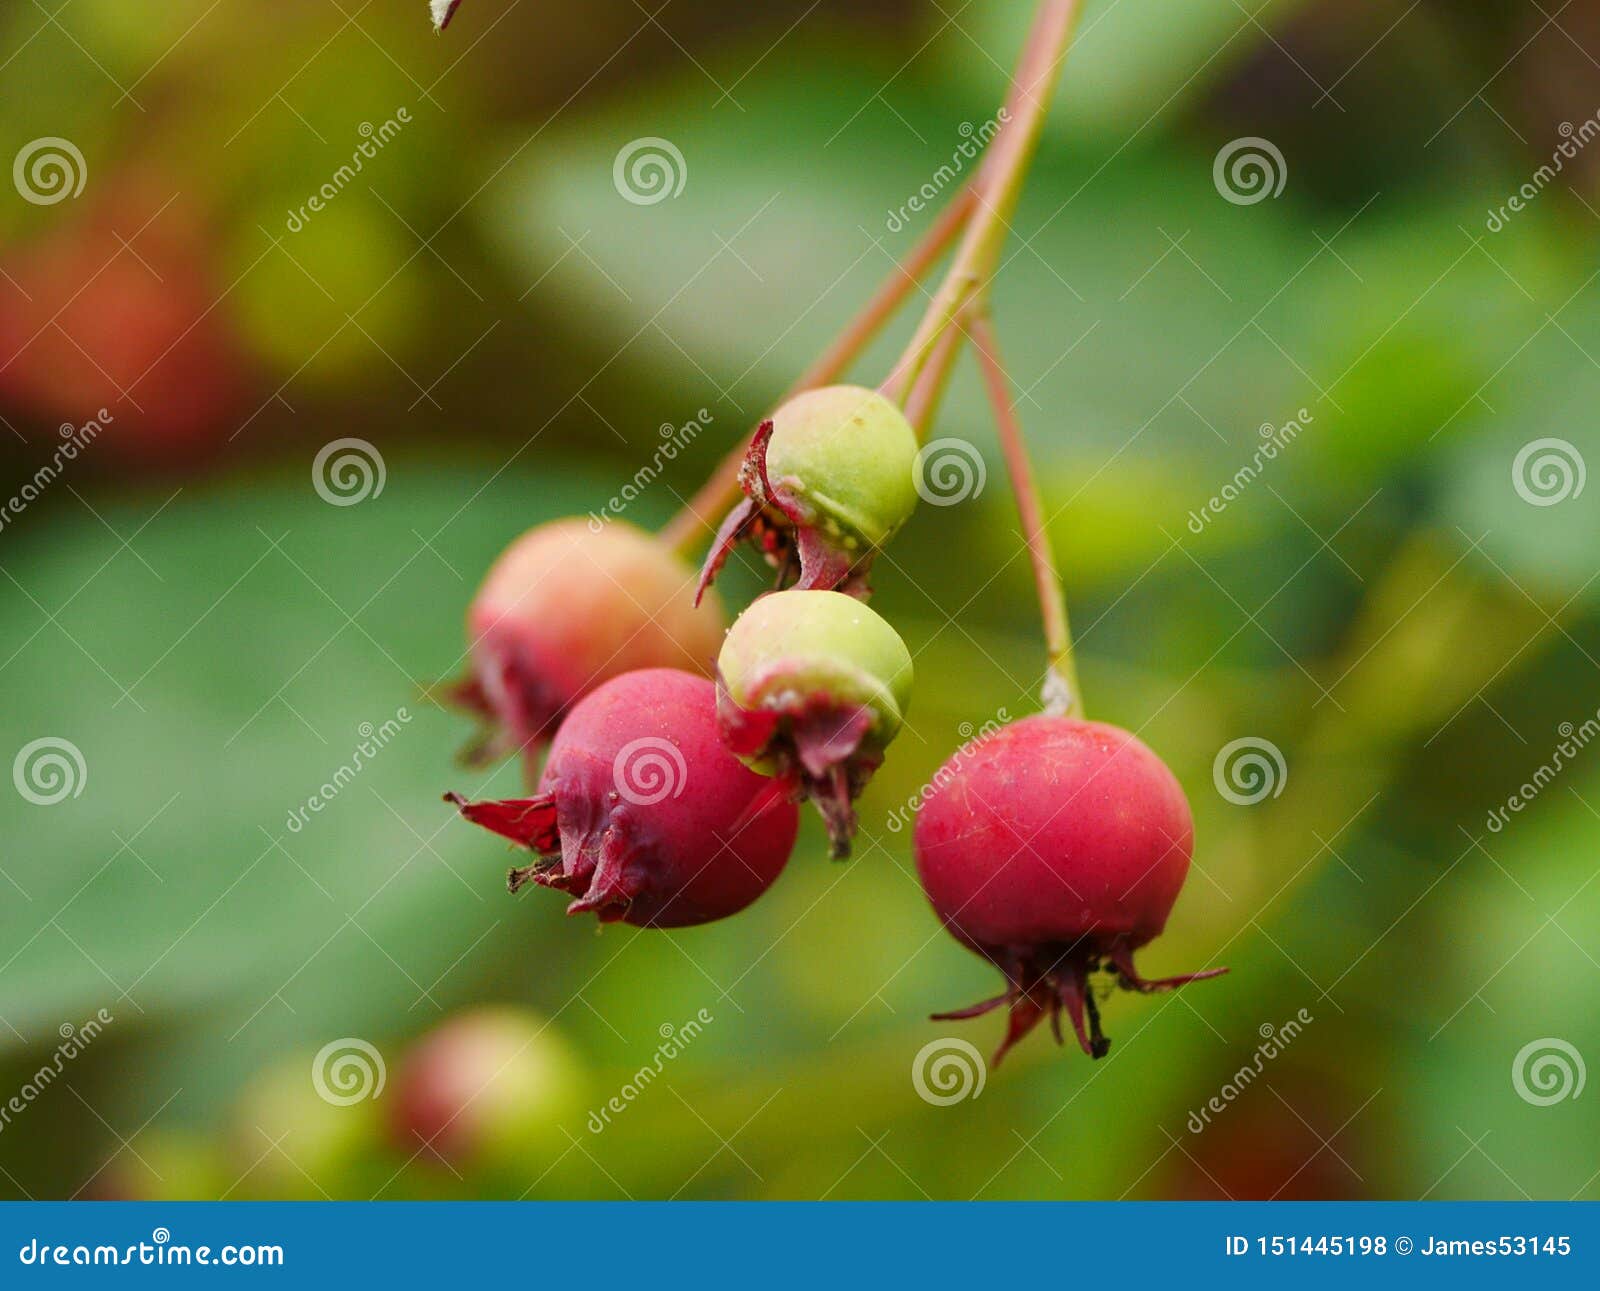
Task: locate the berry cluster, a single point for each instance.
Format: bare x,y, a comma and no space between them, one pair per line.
1053,848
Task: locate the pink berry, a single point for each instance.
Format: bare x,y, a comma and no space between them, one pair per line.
642,814
487,1085
569,605
1052,848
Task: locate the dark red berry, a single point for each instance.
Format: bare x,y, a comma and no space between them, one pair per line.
642,814
569,605
1055,847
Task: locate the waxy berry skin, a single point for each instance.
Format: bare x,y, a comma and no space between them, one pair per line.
1054,847
811,688
828,481
642,815
569,605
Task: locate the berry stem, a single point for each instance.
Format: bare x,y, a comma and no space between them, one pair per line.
1003,175
721,490
924,399
1061,692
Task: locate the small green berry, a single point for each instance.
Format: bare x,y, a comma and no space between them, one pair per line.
812,687
828,481
849,456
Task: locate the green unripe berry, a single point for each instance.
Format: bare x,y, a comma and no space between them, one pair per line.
812,686
848,456
795,647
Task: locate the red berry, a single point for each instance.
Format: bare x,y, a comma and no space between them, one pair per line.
569,605
489,1085
642,814
116,308
1052,848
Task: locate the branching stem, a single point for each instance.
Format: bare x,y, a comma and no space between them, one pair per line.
721,491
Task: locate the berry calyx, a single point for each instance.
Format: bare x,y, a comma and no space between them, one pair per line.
642,815
1055,847
567,606
488,1086
811,688
827,482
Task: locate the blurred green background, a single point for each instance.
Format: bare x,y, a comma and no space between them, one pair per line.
1398,602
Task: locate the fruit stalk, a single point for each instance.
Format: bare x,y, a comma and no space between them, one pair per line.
721,490
1062,695
1003,176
